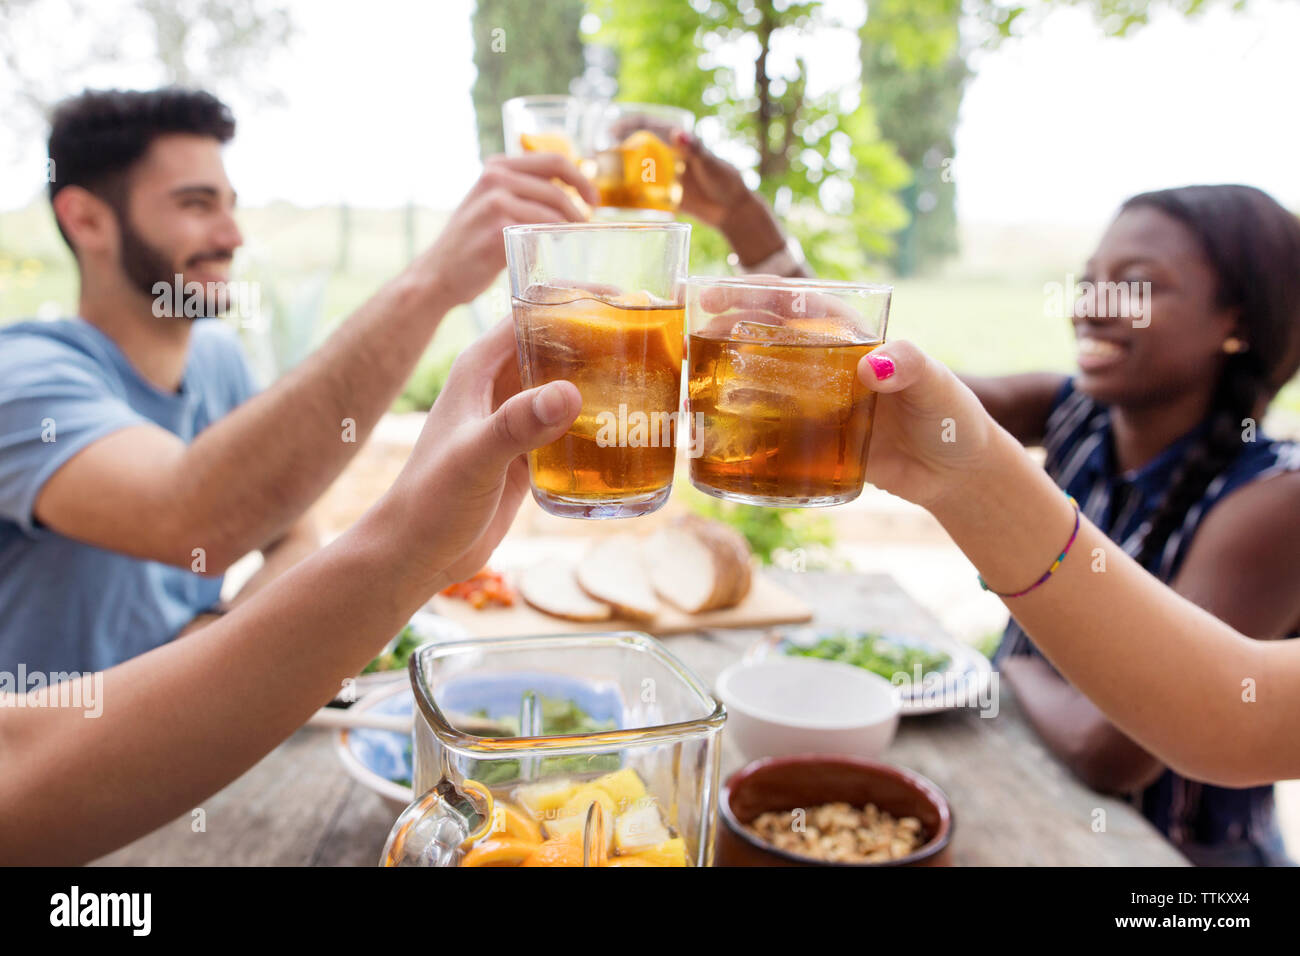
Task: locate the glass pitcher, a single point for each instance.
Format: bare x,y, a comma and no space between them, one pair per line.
572,750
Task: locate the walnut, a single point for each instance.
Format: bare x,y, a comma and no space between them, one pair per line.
840,833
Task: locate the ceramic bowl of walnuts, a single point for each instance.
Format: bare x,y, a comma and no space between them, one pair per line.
832,810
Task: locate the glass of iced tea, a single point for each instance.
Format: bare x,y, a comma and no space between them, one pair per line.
636,166
549,124
543,124
778,414
602,306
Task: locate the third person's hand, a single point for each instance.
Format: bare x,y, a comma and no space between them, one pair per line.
470,252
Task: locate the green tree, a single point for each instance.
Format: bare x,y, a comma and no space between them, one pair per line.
820,158
49,51
855,164
914,69
914,72
521,48
1115,17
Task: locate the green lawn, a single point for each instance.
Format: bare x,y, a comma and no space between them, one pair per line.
984,326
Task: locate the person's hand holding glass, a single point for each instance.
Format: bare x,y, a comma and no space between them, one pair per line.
601,306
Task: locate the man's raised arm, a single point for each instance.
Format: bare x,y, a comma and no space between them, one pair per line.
245,479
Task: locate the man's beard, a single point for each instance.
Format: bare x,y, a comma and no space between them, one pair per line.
146,267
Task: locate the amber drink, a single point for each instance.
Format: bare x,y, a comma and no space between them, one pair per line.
636,166
543,124
586,311
779,416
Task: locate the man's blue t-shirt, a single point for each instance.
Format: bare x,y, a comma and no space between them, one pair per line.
65,605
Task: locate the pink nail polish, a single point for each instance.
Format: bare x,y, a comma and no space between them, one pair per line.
882,366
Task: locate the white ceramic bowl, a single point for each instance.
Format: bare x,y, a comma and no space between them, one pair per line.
792,705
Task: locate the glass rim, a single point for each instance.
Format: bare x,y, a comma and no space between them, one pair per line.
524,229
781,282
650,107
568,99
592,742
540,98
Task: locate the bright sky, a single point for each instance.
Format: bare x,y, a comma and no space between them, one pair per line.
1064,125
1057,127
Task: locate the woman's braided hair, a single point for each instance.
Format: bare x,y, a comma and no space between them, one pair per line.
1253,244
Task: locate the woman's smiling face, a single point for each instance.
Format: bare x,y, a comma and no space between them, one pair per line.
1166,339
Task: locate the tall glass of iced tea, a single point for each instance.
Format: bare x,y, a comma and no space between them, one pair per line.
778,414
602,306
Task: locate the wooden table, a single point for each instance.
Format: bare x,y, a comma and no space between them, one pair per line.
1012,802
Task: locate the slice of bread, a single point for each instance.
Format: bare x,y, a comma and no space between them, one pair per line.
552,588
614,571
699,565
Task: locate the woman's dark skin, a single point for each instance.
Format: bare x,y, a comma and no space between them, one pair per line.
1239,566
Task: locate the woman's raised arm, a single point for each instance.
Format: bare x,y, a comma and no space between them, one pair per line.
1211,703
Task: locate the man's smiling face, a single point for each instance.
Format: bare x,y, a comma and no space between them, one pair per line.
178,217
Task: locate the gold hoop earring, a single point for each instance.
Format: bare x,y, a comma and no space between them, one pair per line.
1234,345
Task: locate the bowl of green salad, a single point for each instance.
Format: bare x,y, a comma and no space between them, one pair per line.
932,674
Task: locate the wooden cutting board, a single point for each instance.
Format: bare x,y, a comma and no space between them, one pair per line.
767,604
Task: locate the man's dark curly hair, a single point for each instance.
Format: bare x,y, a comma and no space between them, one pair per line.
97,136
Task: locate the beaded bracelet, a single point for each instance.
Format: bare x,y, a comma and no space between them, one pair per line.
1055,564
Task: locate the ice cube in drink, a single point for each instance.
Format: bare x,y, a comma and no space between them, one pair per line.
778,412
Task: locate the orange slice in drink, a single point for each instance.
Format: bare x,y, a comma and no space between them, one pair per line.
556,143
503,851
826,331
651,169
644,145
594,327
548,143
563,850
509,821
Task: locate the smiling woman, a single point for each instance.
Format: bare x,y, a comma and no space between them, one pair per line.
1188,324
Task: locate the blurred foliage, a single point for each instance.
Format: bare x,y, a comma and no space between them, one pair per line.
204,42
915,75
290,320
1115,17
424,385
221,45
852,166
987,644
821,158
521,48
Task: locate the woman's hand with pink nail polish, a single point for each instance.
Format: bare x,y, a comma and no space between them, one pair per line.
881,365
929,429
